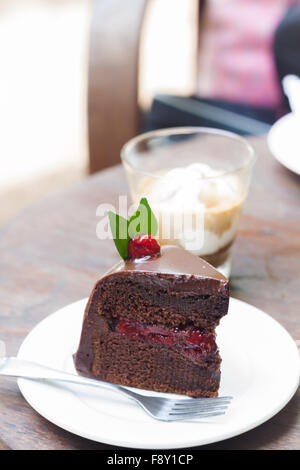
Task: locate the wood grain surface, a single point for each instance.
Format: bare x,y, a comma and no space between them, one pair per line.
50,256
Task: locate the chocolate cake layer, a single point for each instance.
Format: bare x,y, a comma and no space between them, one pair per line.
159,300
144,364
176,291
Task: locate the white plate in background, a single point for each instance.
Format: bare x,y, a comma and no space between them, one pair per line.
284,141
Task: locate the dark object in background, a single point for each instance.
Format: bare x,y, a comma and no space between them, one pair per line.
176,111
287,45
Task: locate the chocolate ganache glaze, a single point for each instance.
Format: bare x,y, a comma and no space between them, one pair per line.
160,300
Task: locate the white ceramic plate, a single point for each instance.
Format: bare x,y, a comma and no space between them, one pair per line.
260,370
284,141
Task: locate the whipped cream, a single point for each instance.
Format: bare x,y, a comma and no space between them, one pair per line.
197,186
210,198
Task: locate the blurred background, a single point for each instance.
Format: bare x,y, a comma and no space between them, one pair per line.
43,63
78,78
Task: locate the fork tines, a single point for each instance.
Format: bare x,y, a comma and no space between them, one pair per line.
201,407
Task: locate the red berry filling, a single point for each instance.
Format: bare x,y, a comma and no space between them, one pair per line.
143,246
189,340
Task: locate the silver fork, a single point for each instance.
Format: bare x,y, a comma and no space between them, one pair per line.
163,409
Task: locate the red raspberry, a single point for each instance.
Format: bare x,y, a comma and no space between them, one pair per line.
143,246
128,327
205,342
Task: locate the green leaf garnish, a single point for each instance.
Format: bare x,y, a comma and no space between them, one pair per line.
119,230
142,222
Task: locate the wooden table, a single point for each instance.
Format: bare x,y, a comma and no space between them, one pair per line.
50,256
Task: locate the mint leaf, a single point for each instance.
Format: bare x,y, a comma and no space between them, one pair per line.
119,230
143,221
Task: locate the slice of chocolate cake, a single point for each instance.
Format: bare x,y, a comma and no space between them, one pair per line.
150,323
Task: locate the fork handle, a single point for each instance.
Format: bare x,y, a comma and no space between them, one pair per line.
14,367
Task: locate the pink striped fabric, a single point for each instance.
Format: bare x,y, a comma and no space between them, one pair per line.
236,62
